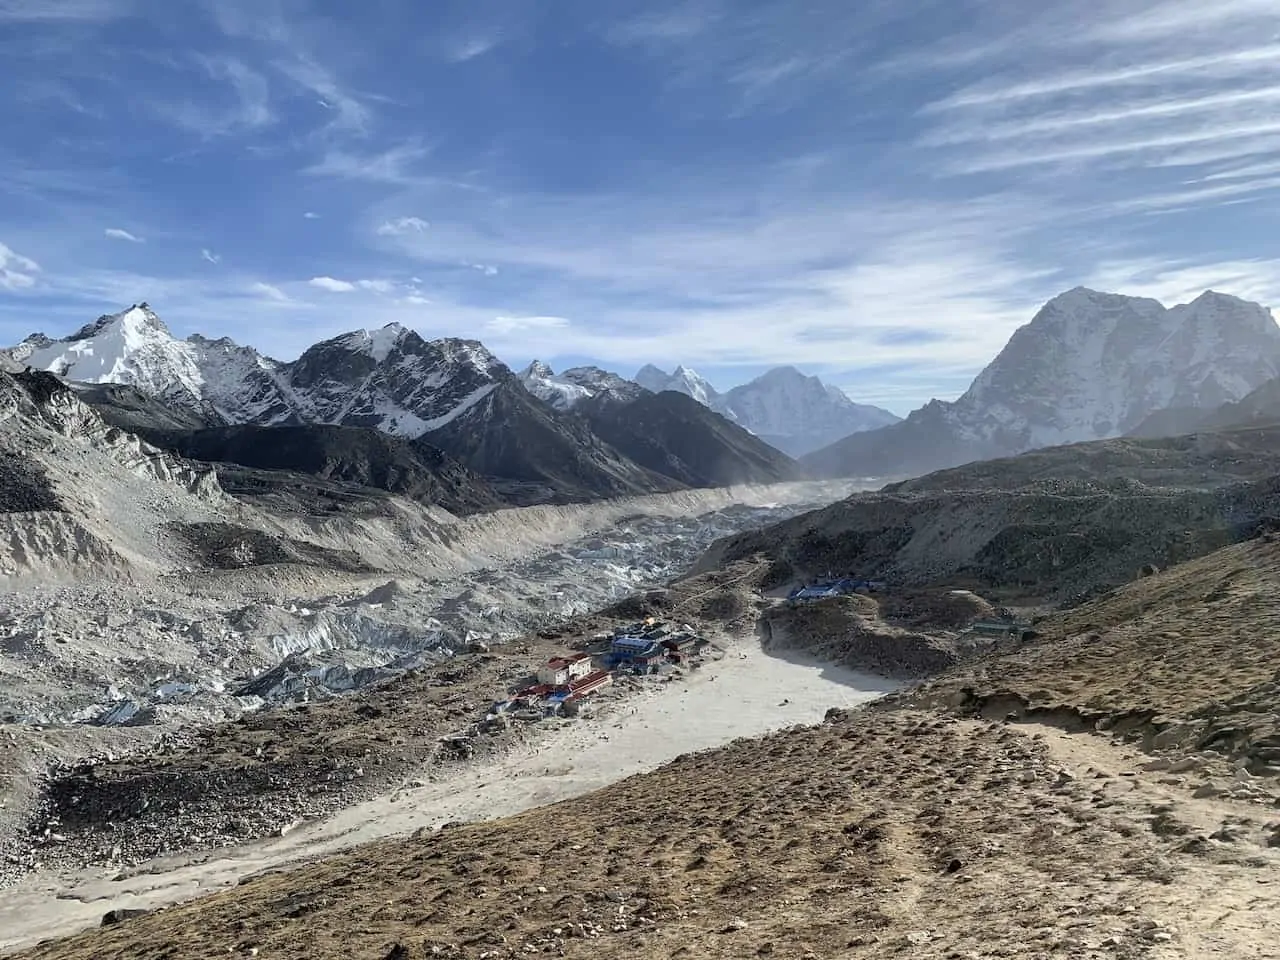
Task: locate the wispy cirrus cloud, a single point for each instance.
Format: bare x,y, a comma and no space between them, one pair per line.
402,225
116,233
16,271
249,105
1144,106
394,166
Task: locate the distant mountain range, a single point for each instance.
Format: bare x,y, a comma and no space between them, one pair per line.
1088,366
454,414
790,411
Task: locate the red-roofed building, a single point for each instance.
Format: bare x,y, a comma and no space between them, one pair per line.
560,671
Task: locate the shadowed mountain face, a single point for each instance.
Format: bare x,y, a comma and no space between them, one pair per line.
411,468
673,434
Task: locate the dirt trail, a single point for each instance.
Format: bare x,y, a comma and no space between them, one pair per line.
1229,903
746,694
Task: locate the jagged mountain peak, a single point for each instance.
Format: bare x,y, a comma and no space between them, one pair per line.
138,321
569,388
378,344
536,368
1088,366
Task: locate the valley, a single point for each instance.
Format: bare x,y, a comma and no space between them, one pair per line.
317,683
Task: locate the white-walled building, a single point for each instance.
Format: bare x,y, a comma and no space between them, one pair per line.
564,670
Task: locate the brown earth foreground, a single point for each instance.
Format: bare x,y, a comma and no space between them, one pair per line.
1105,791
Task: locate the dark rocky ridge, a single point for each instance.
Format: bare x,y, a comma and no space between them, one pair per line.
543,454
367,458
674,435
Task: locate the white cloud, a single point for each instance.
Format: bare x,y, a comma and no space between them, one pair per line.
376,286
270,292
115,233
392,166
210,257
486,269
311,215
348,113
16,271
415,299
400,225
332,285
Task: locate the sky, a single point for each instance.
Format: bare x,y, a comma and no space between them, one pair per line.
876,191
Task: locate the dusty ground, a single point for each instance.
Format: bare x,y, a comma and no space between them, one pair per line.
876,835
1187,660
1024,805
266,771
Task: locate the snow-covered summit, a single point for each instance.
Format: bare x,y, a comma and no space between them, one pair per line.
799,413
565,390
132,347
681,380
390,378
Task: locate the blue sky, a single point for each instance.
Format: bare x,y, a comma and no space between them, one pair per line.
877,192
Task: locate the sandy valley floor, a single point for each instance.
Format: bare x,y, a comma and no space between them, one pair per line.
746,694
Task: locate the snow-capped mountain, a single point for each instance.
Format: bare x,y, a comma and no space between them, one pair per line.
454,393
798,413
216,378
793,412
681,380
564,390
1088,366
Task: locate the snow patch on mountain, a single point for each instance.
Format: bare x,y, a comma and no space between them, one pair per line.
681,380
133,347
565,390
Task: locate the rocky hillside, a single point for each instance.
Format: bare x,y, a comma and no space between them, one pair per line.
1088,366
674,435
363,457
1261,406
538,455
1056,524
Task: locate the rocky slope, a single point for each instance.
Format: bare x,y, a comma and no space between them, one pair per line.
1051,525
1261,406
1089,365
354,455
675,436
